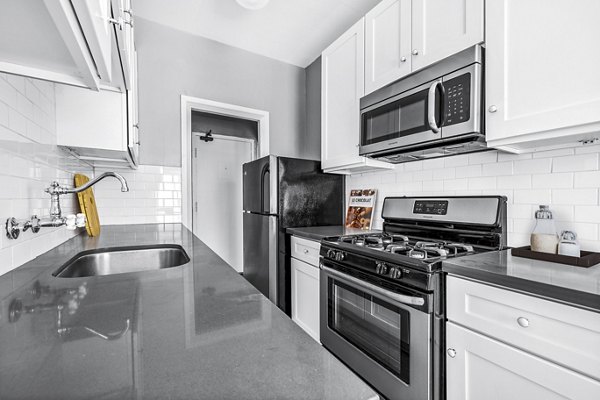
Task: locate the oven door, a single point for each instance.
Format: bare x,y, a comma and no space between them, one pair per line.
384,336
405,119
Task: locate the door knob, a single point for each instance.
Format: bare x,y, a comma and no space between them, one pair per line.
415,52
493,109
451,353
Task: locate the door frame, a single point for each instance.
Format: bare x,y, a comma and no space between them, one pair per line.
189,104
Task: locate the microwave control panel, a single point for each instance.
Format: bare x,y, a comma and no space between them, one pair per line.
458,99
435,207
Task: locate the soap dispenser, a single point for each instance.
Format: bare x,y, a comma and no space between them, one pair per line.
544,237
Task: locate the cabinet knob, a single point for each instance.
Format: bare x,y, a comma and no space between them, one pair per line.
403,59
522,321
305,251
451,353
415,52
493,109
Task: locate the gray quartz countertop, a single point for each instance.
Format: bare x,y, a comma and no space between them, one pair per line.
320,232
564,283
198,331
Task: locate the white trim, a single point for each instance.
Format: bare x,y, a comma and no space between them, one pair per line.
188,104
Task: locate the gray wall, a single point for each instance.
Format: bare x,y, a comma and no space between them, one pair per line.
223,125
313,107
172,63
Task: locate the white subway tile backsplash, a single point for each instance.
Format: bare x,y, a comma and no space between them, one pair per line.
580,162
153,197
568,180
535,166
575,196
29,161
468,171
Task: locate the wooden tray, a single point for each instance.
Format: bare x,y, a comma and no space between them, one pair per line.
587,259
87,204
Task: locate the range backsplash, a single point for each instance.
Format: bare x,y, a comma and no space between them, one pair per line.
567,179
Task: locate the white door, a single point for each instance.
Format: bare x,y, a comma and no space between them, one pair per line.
481,368
441,28
305,297
387,44
342,86
217,192
542,63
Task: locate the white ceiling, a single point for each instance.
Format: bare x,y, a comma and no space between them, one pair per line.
292,31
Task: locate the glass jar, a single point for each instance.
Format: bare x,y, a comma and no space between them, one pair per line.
544,237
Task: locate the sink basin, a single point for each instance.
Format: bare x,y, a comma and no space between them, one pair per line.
120,260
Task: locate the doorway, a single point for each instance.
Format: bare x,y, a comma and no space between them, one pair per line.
220,146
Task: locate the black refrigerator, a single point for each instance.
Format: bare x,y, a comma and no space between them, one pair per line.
280,193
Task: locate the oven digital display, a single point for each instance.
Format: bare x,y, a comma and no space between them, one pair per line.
433,207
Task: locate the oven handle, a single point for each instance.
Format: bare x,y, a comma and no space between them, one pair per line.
400,298
431,106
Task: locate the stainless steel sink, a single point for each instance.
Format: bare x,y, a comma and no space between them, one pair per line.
120,260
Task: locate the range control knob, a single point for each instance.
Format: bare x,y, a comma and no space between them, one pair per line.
330,254
339,256
381,268
395,273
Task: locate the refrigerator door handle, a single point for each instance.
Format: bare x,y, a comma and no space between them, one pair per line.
274,185
263,174
273,283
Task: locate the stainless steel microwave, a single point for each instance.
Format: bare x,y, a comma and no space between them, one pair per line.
435,112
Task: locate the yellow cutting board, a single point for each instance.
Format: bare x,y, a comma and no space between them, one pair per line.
87,203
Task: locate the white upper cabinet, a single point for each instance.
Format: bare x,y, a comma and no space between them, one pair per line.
403,36
342,86
542,80
86,43
388,44
441,28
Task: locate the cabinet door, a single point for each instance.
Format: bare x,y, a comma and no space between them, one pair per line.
388,43
441,28
305,297
342,80
481,368
91,120
94,17
542,79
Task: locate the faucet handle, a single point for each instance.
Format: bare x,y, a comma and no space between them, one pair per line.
80,220
71,222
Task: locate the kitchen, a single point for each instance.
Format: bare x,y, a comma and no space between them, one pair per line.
371,95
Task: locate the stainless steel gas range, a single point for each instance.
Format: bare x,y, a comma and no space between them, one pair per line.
382,295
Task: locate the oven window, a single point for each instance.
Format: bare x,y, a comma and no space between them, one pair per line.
403,117
379,329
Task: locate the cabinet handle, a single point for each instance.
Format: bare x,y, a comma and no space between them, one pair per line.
305,251
415,52
451,353
493,109
523,322
403,59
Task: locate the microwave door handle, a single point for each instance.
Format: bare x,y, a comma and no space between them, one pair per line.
431,107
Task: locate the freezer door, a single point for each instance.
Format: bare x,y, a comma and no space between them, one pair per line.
260,253
308,197
259,185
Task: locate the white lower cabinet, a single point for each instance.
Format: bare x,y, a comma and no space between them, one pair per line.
305,297
480,368
305,289
506,345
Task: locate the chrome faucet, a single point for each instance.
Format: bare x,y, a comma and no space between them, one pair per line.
14,227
